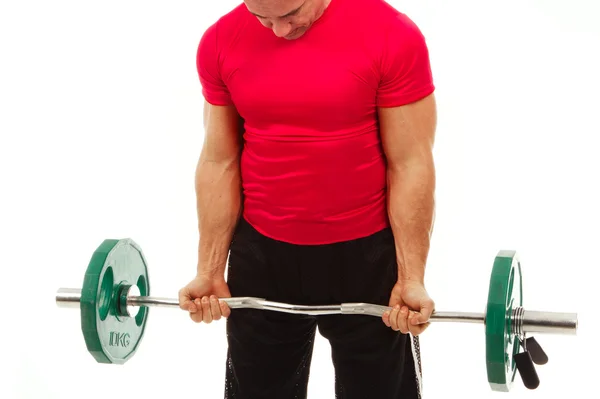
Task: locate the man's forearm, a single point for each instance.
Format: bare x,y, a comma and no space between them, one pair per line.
411,209
219,204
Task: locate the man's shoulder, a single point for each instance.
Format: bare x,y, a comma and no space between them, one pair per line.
227,26
232,19
373,8
380,16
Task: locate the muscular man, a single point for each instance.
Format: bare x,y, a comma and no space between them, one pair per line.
315,185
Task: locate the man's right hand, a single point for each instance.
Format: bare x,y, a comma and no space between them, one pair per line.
200,298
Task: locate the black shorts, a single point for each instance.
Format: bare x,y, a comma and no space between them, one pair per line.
269,353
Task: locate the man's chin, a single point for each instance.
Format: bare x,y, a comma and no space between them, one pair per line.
298,33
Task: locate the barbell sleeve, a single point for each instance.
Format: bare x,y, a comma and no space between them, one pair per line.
523,321
68,297
549,322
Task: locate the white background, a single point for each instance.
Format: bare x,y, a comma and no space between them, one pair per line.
101,124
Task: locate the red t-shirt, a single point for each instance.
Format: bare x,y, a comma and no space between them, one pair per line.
313,169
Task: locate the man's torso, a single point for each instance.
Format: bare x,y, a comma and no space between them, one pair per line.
313,168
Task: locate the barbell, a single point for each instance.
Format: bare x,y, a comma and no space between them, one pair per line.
114,303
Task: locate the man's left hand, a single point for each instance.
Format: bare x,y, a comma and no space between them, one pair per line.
411,308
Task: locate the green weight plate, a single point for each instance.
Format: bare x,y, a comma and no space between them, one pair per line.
110,336
505,294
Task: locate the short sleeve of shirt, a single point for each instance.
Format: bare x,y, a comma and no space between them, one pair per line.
405,67
208,63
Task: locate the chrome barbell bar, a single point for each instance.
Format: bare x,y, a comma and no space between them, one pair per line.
524,321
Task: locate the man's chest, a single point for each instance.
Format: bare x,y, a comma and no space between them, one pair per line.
303,88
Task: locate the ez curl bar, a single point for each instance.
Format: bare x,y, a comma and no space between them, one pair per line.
114,302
